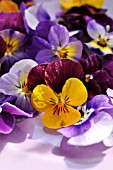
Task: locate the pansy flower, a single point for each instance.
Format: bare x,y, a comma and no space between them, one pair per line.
71,3
95,125
102,42
58,104
14,83
7,117
15,48
59,46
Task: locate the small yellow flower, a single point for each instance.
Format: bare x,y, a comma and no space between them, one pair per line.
71,3
59,109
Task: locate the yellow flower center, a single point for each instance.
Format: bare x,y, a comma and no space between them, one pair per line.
25,89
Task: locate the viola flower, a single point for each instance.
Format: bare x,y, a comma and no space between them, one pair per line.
71,3
8,6
7,117
14,83
95,125
57,98
59,47
58,108
102,42
15,48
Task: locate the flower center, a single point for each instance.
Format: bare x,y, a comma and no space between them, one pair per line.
9,48
102,43
88,77
60,105
62,53
25,89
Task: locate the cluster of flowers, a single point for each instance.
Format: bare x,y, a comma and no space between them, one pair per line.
61,69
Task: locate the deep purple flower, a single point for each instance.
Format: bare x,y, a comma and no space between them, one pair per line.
96,123
7,117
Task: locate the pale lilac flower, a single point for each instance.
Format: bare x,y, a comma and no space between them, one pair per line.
14,83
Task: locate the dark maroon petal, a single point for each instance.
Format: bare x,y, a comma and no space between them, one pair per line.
7,122
2,47
91,64
36,76
107,64
59,71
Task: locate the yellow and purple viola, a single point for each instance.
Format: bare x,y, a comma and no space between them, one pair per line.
55,45
14,45
58,101
102,39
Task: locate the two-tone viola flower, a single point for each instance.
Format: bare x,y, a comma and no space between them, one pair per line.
58,46
14,83
14,45
102,42
61,94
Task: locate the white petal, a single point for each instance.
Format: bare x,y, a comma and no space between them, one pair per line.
110,39
101,128
18,66
109,140
109,92
95,30
45,136
31,16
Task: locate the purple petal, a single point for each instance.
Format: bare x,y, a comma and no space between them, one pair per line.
42,14
59,71
95,30
7,122
36,76
58,36
45,56
23,102
43,31
99,102
7,107
75,130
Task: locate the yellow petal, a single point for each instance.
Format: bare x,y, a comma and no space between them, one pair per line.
43,98
95,3
8,6
105,50
71,3
74,92
63,119
67,4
